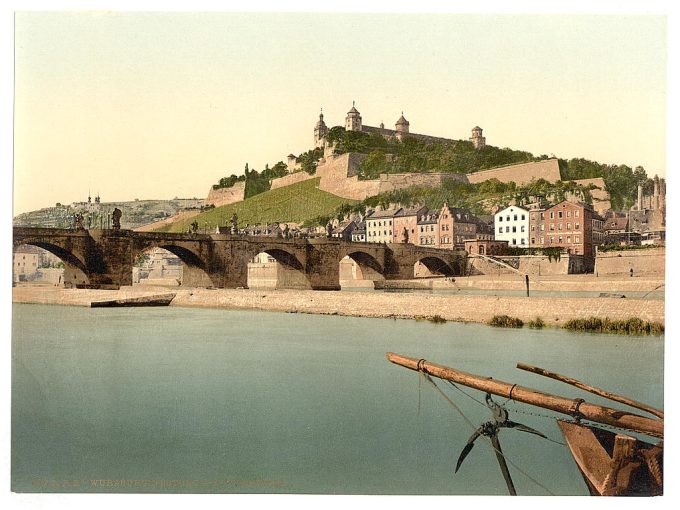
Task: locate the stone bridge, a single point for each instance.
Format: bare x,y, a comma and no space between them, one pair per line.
105,258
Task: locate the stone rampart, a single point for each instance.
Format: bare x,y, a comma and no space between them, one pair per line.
521,173
392,182
224,196
648,262
289,179
601,199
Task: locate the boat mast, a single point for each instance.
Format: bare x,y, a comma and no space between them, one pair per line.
577,408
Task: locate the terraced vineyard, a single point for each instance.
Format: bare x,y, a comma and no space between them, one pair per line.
294,204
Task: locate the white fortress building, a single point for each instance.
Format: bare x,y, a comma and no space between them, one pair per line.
512,225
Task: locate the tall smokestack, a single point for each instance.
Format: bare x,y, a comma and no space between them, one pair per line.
639,200
656,192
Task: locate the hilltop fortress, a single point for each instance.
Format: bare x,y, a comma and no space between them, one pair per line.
339,173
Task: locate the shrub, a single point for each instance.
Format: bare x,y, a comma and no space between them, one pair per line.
632,326
437,319
505,321
537,323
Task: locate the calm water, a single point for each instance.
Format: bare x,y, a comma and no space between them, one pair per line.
192,400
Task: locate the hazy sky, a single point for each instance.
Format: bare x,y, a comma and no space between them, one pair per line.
158,105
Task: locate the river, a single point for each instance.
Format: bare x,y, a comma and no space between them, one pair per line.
199,400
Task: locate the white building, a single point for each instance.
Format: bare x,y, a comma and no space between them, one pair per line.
512,225
379,226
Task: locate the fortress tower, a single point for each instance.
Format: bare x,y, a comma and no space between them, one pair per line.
320,131
477,139
353,119
401,127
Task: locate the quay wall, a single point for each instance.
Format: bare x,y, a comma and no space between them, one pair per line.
465,308
649,261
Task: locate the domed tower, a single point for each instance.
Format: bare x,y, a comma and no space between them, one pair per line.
401,127
477,139
320,131
353,119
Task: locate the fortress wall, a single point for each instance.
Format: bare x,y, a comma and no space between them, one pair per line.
289,179
392,182
601,201
649,262
224,196
521,173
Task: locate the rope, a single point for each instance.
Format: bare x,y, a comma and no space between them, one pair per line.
472,426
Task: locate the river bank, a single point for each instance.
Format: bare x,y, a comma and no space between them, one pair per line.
554,311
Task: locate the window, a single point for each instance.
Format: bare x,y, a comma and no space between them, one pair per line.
577,213
522,217
515,217
507,218
514,229
500,230
522,228
568,239
577,225
568,226
559,239
533,228
559,226
552,215
542,227
500,218
507,229
542,216
514,241
568,214
552,226
559,214
533,240
577,239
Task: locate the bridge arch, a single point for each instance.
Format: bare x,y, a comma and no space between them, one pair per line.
194,269
75,269
285,272
366,267
435,266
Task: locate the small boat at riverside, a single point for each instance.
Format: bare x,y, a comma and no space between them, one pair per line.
154,300
612,463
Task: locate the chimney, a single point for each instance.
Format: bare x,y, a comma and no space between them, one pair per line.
639,200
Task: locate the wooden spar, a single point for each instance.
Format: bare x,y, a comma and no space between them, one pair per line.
591,389
571,407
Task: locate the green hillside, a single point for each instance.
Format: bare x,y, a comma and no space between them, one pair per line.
295,204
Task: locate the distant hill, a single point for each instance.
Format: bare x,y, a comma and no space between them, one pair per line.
295,204
135,213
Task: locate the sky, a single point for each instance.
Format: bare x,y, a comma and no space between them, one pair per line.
156,105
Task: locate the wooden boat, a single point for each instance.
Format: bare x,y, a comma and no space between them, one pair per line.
154,300
612,464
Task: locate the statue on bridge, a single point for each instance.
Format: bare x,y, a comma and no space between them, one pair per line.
194,227
286,232
234,223
78,221
405,235
329,228
115,217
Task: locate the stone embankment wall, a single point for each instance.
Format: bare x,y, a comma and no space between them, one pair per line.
533,265
224,196
521,173
553,310
650,262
